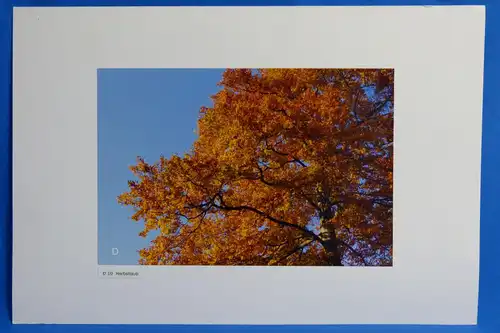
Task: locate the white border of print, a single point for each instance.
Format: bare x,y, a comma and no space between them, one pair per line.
437,54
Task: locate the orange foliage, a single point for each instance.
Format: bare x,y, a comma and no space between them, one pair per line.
291,167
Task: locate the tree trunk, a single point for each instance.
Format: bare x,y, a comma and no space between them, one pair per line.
330,243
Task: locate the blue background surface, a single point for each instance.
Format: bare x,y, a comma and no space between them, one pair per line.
489,295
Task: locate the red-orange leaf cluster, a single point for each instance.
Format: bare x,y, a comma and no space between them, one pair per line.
291,167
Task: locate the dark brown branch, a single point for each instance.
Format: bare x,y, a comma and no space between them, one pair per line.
201,205
355,106
295,249
261,178
310,201
268,183
379,107
184,239
282,223
204,212
285,242
294,159
343,77
350,248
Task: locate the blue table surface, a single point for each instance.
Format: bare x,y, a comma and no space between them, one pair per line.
489,295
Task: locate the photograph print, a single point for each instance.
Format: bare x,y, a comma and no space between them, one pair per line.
246,167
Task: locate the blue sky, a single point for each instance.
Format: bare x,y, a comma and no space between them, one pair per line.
144,113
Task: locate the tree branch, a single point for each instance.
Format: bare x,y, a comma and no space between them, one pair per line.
264,181
184,239
294,250
354,251
379,107
355,106
294,159
282,223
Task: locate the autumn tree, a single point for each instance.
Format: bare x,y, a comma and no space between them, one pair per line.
290,167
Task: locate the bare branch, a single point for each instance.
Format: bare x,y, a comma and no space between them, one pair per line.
282,223
350,248
295,249
184,239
